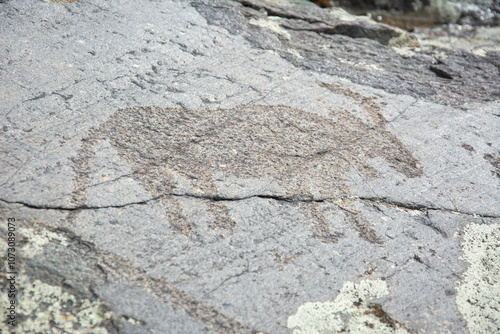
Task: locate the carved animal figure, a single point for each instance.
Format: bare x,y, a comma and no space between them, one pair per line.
303,153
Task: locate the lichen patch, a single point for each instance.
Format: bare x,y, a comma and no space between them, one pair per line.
351,312
36,241
49,309
271,25
46,308
478,294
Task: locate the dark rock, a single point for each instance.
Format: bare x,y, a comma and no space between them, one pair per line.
438,11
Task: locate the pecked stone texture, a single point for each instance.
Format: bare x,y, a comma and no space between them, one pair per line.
302,154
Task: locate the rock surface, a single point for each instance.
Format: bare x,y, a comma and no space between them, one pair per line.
244,167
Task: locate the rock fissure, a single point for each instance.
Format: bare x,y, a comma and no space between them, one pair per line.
202,197
77,208
420,207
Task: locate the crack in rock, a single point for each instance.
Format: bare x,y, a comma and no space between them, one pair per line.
117,206
419,207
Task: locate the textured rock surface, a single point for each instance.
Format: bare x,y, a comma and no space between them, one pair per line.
244,167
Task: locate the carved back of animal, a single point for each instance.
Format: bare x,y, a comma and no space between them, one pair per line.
305,154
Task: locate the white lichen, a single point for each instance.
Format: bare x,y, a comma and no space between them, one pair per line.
272,25
478,294
48,309
45,308
295,53
37,239
350,312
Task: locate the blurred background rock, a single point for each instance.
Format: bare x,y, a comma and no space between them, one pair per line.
472,25
411,13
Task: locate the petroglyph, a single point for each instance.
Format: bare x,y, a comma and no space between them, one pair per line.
304,156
